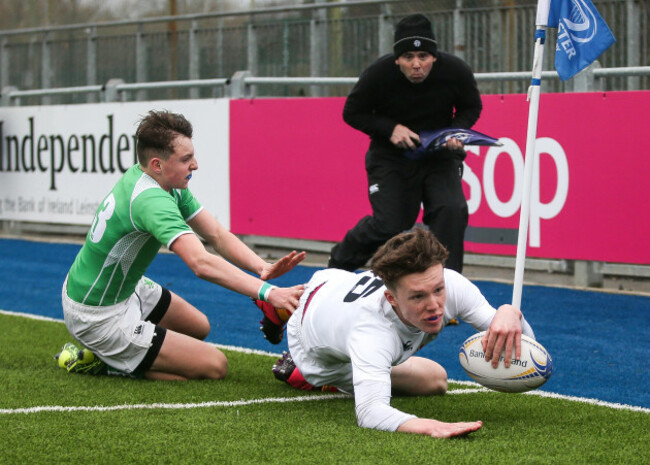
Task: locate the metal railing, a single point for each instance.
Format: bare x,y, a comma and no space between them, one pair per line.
319,39
242,84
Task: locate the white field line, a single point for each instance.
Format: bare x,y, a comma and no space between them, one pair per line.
586,400
472,389
166,406
30,316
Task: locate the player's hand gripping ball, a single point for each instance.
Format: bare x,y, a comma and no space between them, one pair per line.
532,370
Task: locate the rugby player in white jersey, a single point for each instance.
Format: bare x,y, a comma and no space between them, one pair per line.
130,323
359,332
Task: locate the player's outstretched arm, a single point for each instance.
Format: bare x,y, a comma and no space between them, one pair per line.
235,251
282,266
439,429
287,298
215,269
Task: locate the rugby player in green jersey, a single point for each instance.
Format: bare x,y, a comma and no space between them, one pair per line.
129,323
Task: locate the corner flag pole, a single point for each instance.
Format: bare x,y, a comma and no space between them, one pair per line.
533,110
585,36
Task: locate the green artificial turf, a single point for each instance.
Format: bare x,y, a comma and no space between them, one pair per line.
251,418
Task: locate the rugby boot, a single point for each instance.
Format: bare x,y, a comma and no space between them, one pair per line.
76,360
286,370
272,324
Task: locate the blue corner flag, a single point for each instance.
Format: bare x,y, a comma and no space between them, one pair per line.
582,34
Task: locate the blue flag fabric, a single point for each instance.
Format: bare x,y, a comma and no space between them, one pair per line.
582,35
432,141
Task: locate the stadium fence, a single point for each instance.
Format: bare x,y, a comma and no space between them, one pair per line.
303,50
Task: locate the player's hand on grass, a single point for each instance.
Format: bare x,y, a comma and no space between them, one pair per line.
282,266
503,335
439,429
286,297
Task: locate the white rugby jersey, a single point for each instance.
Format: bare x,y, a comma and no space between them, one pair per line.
350,336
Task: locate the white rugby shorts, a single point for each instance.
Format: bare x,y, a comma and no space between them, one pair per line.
118,334
316,372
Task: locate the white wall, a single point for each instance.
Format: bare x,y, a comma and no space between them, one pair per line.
47,154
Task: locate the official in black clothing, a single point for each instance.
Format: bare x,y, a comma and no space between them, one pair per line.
416,88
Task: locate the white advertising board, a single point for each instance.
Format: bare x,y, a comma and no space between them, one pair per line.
58,162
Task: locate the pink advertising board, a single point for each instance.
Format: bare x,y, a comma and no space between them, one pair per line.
297,171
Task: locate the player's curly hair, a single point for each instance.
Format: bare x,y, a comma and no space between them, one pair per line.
156,133
409,252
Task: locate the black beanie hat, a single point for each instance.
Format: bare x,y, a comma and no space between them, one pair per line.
414,33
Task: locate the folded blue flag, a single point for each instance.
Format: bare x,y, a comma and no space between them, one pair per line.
432,141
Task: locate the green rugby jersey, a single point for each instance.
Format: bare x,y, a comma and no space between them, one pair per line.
134,219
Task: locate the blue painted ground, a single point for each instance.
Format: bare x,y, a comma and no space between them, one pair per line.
597,340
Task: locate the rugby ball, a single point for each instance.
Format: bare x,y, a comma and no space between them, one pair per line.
529,372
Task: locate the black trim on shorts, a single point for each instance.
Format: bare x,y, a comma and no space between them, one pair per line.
152,353
161,307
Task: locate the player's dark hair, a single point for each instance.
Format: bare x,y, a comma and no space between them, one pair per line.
409,252
156,133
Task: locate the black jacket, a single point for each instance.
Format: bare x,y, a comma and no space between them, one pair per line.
383,98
